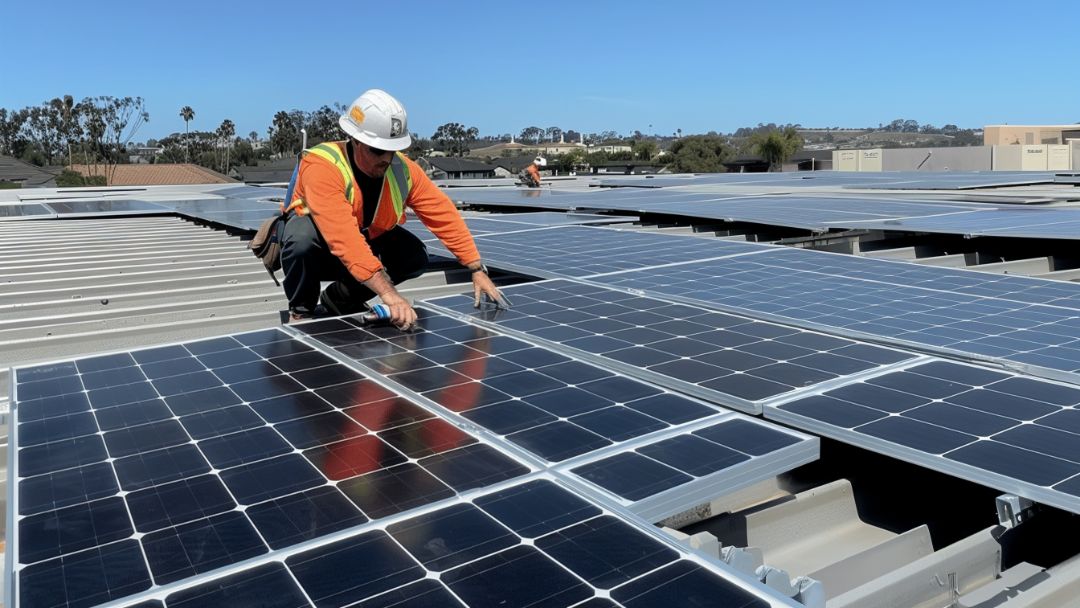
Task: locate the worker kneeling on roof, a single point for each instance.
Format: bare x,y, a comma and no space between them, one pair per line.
346,214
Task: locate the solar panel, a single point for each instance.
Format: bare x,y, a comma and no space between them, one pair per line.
159,465
105,207
553,218
512,222
806,212
888,179
249,192
1007,431
961,180
23,211
533,543
1043,223
575,251
552,406
730,360
961,312
777,208
678,471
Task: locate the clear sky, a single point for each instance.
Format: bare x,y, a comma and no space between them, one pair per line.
585,65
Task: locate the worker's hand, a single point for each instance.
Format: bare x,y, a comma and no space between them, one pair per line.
484,288
402,314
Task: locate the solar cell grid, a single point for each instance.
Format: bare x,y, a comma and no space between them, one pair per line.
530,543
667,475
987,317
196,456
577,251
550,405
1006,431
728,359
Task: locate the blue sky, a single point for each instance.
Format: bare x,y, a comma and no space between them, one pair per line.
583,65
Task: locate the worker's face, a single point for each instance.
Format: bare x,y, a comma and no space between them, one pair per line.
371,161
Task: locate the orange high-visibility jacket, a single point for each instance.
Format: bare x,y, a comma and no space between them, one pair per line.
325,189
534,172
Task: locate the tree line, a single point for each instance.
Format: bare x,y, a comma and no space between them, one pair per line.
99,132
95,132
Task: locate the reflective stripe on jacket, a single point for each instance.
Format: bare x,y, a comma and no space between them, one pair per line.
326,190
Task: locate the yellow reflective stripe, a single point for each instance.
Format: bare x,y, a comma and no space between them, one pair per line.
400,185
408,174
330,152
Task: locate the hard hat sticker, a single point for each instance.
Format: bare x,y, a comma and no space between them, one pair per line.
395,127
357,115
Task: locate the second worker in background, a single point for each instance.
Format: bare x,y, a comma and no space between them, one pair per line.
346,214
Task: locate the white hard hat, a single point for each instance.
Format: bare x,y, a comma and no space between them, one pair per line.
540,160
378,120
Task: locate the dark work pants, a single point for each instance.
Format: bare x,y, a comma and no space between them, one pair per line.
306,260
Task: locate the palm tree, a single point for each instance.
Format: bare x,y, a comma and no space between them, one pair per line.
188,115
69,107
226,132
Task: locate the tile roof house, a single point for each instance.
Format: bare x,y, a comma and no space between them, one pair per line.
157,174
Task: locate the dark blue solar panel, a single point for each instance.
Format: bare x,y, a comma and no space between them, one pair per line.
208,454
732,360
959,419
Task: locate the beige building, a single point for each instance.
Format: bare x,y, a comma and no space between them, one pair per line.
513,148
1010,135
1034,157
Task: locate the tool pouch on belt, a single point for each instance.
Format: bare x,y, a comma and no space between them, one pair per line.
266,244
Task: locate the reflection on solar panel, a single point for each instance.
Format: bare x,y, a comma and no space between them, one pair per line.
249,192
566,411
555,407
576,251
965,312
109,207
13,212
1006,431
163,464
694,465
730,360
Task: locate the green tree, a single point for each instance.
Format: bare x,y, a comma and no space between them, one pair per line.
322,124
110,123
573,159
645,149
11,138
533,134
454,138
45,127
595,159
777,146
699,154
188,115
285,138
